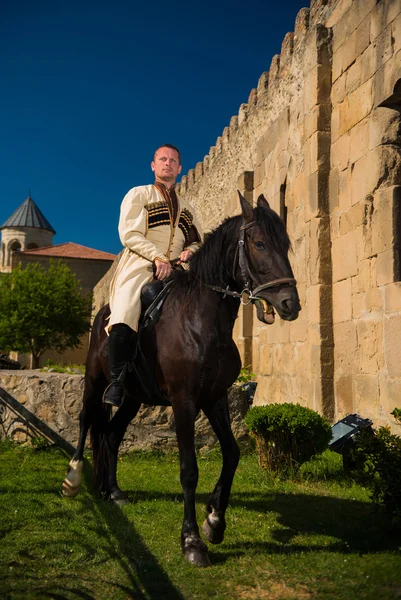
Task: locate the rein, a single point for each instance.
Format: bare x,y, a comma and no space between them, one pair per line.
246,275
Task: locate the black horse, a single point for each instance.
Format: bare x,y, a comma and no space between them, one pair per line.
194,360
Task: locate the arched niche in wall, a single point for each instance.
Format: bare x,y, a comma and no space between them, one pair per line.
3,254
14,246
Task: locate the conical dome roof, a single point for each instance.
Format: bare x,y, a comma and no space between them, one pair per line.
28,215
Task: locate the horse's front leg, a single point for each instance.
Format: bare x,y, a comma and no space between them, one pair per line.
91,401
194,550
215,522
115,433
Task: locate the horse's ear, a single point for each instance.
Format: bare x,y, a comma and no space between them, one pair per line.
247,210
262,202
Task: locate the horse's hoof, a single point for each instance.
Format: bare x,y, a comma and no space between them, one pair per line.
72,482
214,535
196,552
119,498
198,559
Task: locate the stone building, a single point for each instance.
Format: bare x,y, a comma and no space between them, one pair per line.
27,228
320,136
27,237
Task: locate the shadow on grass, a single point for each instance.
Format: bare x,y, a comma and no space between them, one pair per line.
121,545
355,526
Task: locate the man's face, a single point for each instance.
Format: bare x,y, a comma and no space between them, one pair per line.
166,165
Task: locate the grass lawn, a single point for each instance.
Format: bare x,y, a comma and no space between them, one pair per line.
318,536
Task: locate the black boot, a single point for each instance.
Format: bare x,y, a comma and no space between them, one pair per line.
122,343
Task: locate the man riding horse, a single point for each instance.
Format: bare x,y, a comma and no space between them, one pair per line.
155,227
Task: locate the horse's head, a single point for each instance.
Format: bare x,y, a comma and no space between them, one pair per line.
263,265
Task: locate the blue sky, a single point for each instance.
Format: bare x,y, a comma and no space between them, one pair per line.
90,88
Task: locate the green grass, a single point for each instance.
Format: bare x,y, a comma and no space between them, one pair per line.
317,536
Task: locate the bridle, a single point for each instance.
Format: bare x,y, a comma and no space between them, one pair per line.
246,274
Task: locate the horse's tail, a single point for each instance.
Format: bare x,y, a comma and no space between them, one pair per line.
98,430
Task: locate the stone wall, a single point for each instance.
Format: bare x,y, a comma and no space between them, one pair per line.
56,399
320,136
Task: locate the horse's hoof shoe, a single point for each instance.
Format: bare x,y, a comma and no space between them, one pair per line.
214,535
198,559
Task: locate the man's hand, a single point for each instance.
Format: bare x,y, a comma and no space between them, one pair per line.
185,256
163,270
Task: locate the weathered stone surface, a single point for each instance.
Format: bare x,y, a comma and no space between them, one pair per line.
56,399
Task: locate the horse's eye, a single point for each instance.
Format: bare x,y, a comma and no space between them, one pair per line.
260,245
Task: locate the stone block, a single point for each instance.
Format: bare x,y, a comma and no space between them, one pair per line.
392,8
396,34
384,46
362,36
360,10
386,267
356,107
377,20
353,76
340,152
370,346
363,178
392,297
368,63
342,305
337,64
367,396
363,280
299,329
359,141
357,305
352,218
344,395
345,263
344,190
385,234
318,304
373,301
392,345
339,12
338,90
345,348
386,77
348,51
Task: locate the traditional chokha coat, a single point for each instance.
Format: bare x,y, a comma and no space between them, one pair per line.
154,223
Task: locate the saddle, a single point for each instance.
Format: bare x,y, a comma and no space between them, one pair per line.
153,295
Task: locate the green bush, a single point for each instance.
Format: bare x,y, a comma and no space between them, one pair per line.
397,414
245,375
378,462
287,435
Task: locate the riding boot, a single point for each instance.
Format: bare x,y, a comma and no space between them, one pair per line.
122,342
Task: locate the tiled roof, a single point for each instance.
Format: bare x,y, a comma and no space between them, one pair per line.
69,250
28,215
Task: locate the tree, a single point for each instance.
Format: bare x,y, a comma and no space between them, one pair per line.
42,309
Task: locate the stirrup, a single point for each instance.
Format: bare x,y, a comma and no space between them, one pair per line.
117,398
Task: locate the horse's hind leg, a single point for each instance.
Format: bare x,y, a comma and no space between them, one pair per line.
215,523
194,550
91,400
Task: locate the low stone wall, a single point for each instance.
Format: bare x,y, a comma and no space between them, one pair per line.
56,399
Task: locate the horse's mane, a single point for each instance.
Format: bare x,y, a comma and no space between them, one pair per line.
209,266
